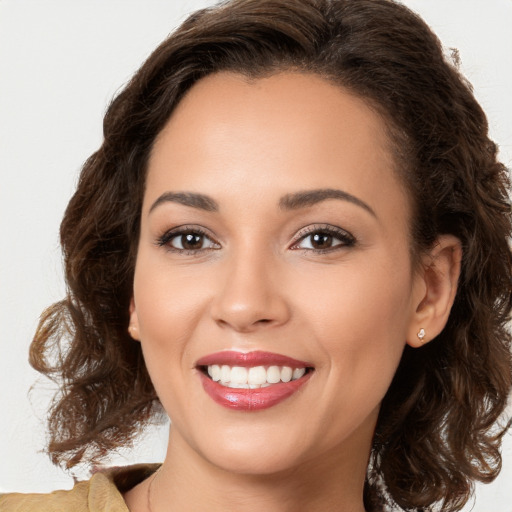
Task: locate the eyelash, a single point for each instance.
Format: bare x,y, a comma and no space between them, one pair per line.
165,240
347,240
344,236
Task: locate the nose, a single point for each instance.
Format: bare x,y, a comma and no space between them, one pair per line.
250,296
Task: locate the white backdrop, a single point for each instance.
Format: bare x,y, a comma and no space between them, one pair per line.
60,64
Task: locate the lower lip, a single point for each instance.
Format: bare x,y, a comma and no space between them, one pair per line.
251,399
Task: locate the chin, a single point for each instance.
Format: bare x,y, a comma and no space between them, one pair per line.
261,464
254,451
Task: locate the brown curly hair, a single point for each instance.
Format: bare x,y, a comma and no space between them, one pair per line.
438,428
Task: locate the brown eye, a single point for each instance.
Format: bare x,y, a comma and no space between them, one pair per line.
325,239
188,241
321,241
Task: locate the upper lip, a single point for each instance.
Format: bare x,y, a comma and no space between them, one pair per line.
254,358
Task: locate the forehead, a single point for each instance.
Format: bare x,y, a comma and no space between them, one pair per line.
273,135
271,106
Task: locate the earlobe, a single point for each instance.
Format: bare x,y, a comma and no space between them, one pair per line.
440,276
133,328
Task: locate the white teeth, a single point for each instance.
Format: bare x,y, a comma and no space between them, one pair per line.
239,385
298,373
214,372
286,374
254,377
238,375
273,374
257,375
225,373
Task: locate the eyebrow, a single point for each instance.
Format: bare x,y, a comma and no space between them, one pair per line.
311,197
288,202
191,199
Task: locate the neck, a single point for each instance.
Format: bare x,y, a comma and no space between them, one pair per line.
329,481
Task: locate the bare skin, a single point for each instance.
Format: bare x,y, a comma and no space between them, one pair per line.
256,279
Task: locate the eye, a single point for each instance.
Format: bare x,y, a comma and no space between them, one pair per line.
323,239
187,240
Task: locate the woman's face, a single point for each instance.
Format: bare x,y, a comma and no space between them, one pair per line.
274,233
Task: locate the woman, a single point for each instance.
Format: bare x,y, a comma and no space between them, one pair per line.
294,239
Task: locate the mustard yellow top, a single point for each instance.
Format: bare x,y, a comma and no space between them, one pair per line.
102,493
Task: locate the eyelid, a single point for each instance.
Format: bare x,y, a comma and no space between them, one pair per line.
165,238
347,239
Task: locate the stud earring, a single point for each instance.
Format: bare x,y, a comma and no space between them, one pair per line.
421,335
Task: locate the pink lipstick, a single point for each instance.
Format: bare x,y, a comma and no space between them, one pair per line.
256,358
251,381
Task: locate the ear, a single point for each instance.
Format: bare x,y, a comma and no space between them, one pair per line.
133,328
439,276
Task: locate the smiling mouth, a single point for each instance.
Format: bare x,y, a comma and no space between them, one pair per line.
251,381
254,377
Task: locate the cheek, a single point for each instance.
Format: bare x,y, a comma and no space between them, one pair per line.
169,302
366,296
167,313
359,318
167,297
359,326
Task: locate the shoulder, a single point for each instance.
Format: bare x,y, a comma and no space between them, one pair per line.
74,500
103,492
